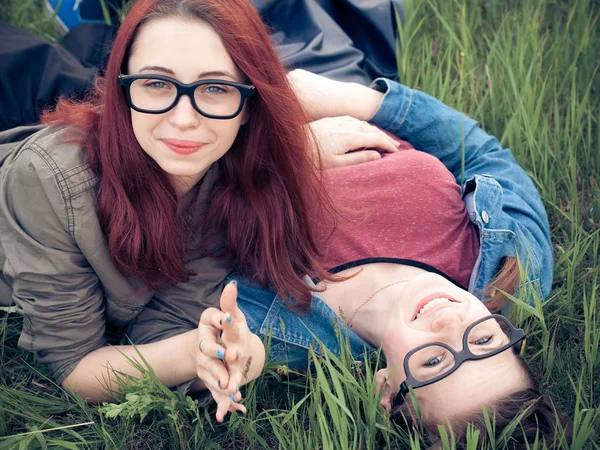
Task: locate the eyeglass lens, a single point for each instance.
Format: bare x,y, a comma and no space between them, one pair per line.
157,95
434,360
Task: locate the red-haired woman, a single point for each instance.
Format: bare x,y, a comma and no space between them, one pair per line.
426,262
190,158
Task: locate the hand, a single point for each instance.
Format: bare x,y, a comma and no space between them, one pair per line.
337,137
225,345
323,97
245,355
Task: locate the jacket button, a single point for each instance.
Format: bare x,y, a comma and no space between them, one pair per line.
485,216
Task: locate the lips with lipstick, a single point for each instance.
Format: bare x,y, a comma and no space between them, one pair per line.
430,303
183,147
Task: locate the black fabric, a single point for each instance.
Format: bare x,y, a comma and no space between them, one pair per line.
35,72
405,262
348,40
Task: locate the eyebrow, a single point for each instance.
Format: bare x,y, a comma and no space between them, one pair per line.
212,73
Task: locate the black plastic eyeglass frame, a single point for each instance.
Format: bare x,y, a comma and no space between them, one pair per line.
185,89
516,339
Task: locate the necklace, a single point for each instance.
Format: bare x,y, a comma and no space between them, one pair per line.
349,321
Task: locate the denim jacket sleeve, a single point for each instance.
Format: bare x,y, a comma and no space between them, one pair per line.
501,198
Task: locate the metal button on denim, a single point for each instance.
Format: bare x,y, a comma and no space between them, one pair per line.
485,217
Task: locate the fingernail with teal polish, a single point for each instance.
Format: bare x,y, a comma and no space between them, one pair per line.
232,397
234,282
220,353
229,319
219,383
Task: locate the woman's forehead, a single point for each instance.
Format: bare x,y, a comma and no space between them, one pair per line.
188,48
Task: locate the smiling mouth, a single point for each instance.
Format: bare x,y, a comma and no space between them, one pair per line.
183,147
430,303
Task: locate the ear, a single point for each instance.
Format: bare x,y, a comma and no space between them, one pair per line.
384,388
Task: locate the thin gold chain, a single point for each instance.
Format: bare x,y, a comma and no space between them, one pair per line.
349,321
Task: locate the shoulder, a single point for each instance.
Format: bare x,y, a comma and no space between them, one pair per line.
53,157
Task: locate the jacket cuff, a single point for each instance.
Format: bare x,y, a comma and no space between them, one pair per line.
394,108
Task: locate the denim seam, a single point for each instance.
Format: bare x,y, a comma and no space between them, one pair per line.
271,325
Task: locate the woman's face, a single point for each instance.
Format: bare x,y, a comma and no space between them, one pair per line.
428,309
183,142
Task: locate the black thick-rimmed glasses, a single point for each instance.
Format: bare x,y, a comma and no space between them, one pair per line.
157,94
435,361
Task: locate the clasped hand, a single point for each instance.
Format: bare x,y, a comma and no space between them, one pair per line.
228,354
338,114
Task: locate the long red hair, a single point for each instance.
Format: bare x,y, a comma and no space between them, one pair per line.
267,190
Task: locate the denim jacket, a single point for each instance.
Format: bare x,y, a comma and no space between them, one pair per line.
500,198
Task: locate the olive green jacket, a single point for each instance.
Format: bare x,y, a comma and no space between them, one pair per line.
56,267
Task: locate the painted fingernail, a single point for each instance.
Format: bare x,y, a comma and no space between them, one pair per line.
220,322
234,282
229,319
219,383
220,353
232,397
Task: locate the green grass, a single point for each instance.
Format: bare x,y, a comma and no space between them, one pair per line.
528,71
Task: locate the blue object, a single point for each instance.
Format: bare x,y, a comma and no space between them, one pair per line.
70,13
500,198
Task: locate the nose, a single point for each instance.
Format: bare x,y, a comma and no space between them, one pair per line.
448,319
183,115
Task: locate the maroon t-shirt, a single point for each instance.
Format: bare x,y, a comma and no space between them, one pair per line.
404,208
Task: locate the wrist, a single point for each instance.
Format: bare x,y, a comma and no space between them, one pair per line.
364,101
188,351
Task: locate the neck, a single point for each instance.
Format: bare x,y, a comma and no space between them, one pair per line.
184,184
371,319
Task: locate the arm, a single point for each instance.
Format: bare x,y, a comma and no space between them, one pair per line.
93,378
509,197
443,132
58,292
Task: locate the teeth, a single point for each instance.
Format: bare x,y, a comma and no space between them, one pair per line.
432,304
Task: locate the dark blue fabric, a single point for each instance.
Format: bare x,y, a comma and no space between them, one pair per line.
347,40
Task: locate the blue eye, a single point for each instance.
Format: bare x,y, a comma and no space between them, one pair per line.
434,361
214,89
483,341
156,84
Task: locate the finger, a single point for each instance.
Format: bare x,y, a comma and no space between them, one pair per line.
212,317
209,367
211,349
231,330
376,138
204,360
233,354
358,157
223,408
226,404
236,380
237,407
229,302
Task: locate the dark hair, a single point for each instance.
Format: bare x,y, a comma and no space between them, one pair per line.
526,414
267,187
